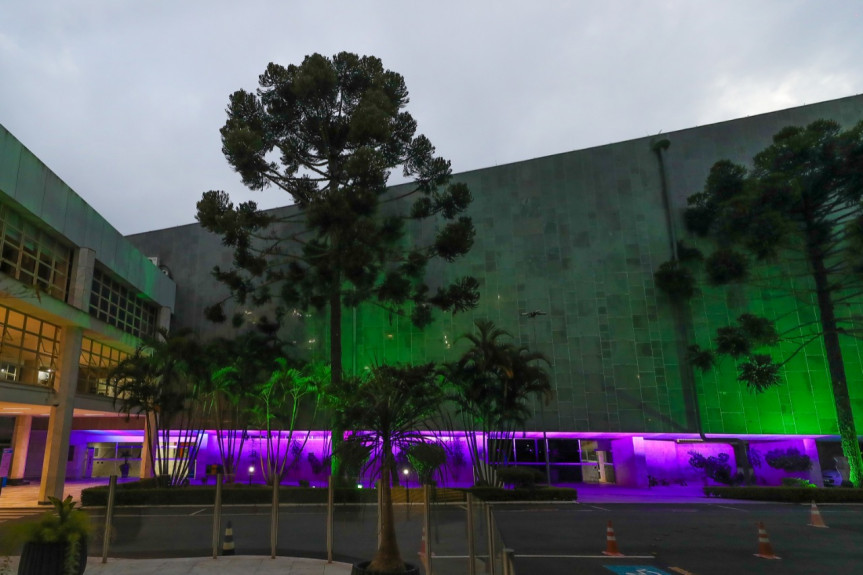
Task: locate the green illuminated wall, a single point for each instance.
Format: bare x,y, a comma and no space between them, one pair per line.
579,236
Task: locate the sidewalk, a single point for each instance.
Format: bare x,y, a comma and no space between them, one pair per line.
245,565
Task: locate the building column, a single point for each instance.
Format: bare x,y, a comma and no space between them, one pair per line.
20,443
630,463
81,284
810,448
60,416
164,318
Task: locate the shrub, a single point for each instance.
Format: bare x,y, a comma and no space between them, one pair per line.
519,476
716,468
788,494
539,494
233,494
789,460
796,482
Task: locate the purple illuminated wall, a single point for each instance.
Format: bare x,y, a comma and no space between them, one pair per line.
635,458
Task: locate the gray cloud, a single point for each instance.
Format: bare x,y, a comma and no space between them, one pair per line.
124,100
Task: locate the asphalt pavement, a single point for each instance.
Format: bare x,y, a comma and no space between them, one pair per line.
237,565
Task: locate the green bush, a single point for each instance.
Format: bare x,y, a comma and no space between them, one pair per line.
540,494
788,494
234,494
797,482
789,460
519,476
716,468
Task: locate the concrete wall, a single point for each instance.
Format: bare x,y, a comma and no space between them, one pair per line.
34,187
578,236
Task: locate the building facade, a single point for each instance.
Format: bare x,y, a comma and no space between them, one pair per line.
577,237
75,297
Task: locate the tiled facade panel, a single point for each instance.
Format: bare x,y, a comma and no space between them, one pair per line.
578,236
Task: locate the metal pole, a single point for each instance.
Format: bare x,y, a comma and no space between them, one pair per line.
274,517
488,523
217,515
380,508
547,460
427,489
331,491
109,514
471,544
508,555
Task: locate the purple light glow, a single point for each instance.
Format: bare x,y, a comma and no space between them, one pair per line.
634,456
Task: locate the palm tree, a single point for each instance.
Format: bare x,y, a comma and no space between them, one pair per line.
388,409
161,380
276,408
237,366
491,385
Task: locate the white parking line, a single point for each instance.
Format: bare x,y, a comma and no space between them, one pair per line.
733,508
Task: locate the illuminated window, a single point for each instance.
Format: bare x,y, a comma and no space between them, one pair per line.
95,364
32,256
118,305
28,348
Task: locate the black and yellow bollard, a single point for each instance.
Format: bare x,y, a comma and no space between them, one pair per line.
228,544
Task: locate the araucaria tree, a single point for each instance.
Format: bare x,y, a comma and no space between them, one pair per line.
329,132
797,215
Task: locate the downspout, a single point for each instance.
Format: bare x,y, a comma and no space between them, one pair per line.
682,320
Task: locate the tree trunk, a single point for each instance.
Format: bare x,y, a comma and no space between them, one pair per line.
337,433
844,413
387,558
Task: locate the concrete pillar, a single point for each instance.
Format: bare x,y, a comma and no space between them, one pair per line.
600,459
630,463
20,443
164,319
60,416
83,263
810,448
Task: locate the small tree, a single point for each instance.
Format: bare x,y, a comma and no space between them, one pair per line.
276,408
161,381
237,368
792,223
491,385
388,409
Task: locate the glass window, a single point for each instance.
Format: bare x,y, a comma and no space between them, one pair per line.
118,305
95,365
33,256
27,356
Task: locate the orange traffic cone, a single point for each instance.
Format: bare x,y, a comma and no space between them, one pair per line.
611,542
765,549
815,519
424,558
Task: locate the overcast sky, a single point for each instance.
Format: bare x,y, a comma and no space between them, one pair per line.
124,99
